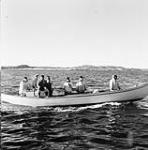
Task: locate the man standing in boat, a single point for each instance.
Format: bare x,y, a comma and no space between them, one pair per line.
114,84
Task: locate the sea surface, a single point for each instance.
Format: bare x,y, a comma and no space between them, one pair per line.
107,126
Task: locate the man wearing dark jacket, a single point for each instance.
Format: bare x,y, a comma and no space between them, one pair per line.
42,87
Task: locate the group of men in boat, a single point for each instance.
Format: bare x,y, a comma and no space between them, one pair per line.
44,86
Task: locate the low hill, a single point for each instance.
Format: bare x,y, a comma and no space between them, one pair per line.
16,67
83,67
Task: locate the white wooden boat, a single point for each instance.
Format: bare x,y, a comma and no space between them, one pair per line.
131,94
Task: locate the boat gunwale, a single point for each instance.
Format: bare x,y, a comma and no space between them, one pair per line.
88,94
106,93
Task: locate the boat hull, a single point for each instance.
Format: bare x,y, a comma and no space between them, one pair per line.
131,94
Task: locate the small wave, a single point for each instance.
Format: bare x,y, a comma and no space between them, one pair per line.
143,105
145,115
77,109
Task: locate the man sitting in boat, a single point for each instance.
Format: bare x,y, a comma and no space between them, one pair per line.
24,86
35,83
113,84
68,87
49,87
80,85
42,87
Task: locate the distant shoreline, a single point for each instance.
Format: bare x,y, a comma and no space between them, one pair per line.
84,67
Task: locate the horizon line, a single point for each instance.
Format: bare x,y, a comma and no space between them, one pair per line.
88,65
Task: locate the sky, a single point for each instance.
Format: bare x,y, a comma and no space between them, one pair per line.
74,32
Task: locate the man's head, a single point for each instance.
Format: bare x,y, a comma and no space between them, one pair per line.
42,76
68,79
115,77
37,75
81,78
48,78
25,79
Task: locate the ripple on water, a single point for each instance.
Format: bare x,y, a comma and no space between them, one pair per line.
103,126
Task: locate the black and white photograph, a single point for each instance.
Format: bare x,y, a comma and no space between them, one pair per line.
74,74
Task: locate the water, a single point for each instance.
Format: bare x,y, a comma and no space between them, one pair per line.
107,126
110,126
